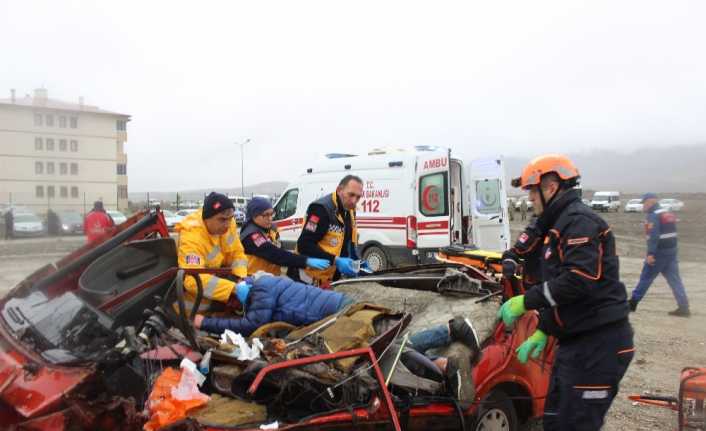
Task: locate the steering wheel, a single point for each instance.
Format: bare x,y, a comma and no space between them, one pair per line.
184,322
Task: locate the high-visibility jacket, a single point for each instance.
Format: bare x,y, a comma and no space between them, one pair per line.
332,241
199,249
661,231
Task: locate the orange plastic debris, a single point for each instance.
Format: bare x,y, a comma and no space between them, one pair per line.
164,408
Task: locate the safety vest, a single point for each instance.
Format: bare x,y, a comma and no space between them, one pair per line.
199,249
332,242
667,229
256,263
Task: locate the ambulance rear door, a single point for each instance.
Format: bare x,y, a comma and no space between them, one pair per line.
432,201
490,229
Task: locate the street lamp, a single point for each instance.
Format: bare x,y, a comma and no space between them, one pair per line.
242,166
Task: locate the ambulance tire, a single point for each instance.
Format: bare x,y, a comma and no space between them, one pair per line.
376,257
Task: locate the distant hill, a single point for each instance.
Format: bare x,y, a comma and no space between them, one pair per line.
271,188
672,169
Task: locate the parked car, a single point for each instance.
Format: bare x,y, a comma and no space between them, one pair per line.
171,218
117,216
101,322
185,212
606,201
671,204
239,216
27,225
633,206
70,223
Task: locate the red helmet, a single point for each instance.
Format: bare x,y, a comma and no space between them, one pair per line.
542,165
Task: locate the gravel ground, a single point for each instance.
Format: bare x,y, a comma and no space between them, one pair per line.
664,344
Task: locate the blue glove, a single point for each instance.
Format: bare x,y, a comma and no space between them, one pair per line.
345,266
535,344
365,267
315,263
512,309
242,290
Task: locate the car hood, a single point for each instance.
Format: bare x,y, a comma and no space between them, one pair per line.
29,225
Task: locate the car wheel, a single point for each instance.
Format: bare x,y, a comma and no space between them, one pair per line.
497,413
376,257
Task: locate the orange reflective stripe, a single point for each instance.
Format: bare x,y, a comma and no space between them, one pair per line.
626,351
592,387
599,272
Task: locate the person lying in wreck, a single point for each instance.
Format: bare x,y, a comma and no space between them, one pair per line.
266,298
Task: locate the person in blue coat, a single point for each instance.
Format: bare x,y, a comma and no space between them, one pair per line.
661,232
268,299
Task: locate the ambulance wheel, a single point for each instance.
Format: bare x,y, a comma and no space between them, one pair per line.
376,257
497,413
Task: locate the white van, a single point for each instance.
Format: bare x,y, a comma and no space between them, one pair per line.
606,201
240,202
414,202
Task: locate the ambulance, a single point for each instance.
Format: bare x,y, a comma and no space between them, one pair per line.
415,201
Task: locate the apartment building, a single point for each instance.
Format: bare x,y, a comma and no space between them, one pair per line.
61,155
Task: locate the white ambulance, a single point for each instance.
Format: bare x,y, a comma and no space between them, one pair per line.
414,202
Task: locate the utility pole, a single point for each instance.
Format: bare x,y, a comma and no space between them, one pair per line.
242,165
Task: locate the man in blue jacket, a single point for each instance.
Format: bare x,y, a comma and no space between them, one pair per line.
661,232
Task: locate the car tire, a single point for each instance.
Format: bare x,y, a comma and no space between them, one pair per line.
376,257
497,413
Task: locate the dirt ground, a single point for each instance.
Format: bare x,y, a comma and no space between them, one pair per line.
664,344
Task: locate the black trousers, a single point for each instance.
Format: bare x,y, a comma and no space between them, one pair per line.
586,377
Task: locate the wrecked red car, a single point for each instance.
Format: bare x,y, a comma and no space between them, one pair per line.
82,342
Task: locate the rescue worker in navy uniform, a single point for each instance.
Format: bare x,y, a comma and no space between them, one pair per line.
580,300
661,231
260,239
330,233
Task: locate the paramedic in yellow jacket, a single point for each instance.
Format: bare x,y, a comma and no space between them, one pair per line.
209,239
330,233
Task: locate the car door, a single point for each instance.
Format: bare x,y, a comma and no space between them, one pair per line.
488,204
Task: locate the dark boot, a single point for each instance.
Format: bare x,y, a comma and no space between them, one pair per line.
461,329
633,304
680,312
459,380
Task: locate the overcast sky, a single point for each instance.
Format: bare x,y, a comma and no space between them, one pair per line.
303,78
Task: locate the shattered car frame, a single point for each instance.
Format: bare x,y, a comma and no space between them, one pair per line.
46,382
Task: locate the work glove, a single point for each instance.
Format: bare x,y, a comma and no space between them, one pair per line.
316,263
345,266
509,264
534,345
512,309
242,290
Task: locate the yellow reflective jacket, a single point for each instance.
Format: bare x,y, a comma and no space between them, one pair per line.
199,249
256,263
332,242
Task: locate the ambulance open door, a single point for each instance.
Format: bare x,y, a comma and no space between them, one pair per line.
490,228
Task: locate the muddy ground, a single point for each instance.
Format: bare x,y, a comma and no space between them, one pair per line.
664,344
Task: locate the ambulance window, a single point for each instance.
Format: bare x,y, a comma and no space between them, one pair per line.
432,194
488,196
287,206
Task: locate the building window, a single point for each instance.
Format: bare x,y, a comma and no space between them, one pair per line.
62,122
50,120
74,192
73,122
50,191
62,144
38,168
38,119
74,168
121,125
122,192
39,191
64,192
50,144
122,169
74,146
63,169
50,168
38,144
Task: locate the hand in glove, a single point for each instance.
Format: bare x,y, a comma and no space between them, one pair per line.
510,263
534,345
345,266
512,309
242,290
315,263
365,267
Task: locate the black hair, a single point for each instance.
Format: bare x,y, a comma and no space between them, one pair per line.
348,178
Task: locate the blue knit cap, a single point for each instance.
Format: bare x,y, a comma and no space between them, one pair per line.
649,195
256,207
